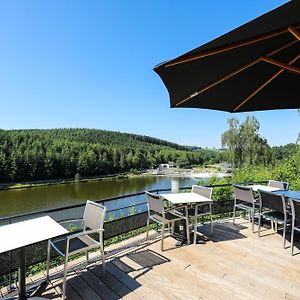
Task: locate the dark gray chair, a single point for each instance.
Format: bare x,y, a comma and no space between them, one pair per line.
295,208
244,199
158,213
273,207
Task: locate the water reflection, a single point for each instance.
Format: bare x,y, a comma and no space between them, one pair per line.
20,201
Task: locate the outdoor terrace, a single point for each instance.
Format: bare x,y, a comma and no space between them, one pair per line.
232,263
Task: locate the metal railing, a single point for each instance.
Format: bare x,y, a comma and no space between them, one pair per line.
120,219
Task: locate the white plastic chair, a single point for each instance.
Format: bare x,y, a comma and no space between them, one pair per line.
199,210
93,220
164,216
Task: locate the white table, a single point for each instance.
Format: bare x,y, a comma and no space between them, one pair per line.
189,198
21,234
265,188
186,198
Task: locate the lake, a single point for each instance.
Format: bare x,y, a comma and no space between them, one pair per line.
20,201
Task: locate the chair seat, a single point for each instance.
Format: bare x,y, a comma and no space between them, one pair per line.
246,205
170,217
275,215
76,245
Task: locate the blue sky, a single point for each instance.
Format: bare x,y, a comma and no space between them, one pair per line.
68,63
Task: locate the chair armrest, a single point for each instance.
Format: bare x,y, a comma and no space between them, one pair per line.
69,221
174,208
85,232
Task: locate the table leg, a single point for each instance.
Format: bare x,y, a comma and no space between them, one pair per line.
22,274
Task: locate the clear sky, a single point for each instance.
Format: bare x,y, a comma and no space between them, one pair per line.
71,63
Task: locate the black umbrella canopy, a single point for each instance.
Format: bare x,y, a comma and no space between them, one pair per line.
254,67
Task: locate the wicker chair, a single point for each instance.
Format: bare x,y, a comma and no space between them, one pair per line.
93,219
244,199
295,207
276,211
158,213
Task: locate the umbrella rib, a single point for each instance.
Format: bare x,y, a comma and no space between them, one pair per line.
218,81
266,83
197,92
284,66
294,32
231,46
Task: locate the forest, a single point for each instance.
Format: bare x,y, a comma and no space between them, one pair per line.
36,154
47,154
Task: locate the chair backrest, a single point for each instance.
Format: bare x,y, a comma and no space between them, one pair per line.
243,193
295,206
155,203
94,215
272,201
202,190
279,184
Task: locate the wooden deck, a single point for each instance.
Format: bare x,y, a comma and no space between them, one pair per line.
232,263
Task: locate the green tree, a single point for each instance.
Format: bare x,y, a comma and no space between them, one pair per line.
245,145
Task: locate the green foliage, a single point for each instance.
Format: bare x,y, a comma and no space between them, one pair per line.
28,155
222,192
285,170
283,152
245,145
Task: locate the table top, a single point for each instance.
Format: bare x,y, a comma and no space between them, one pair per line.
290,194
185,198
24,233
265,188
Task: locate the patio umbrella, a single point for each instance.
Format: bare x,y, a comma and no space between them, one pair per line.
254,67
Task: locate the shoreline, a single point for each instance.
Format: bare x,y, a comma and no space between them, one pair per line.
40,183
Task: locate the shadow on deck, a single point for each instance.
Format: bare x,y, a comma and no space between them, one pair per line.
231,263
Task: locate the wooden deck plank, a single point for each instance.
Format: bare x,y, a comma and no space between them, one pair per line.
231,263
97,285
110,281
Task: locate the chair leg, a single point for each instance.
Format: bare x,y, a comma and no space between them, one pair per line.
259,223
103,256
162,236
292,238
276,226
65,278
172,228
211,220
272,225
187,230
252,213
195,229
48,259
233,217
147,229
284,233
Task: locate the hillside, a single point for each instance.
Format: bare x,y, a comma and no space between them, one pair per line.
38,154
